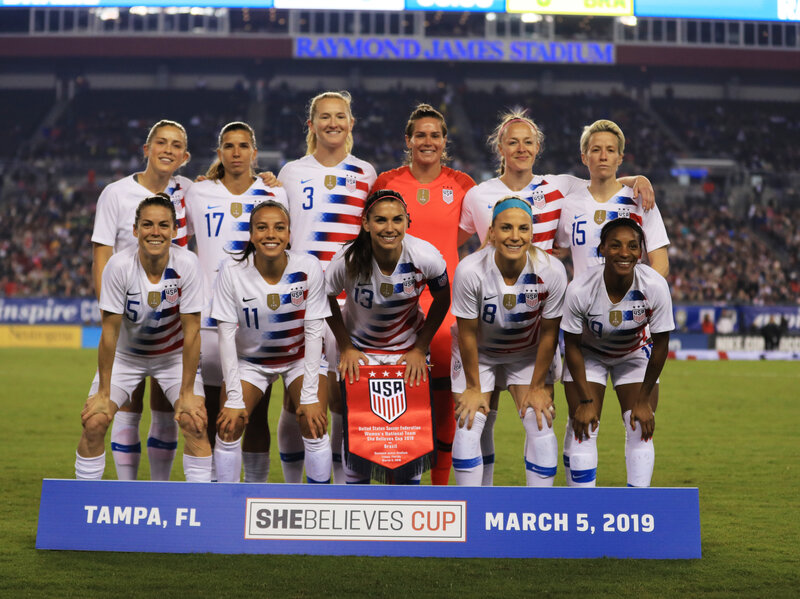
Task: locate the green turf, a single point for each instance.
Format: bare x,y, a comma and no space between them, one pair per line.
729,428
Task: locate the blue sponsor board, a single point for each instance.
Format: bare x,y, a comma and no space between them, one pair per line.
369,520
735,319
460,5
49,310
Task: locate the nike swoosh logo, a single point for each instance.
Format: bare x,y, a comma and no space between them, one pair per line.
576,217
248,300
488,297
134,293
594,315
304,181
212,207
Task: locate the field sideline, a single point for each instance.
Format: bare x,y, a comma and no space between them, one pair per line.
729,428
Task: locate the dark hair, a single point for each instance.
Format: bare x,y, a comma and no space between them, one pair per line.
249,249
425,111
160,199
621,222
216,171
358,251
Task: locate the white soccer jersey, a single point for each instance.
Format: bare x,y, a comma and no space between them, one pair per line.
383,314
270,317
509,316
545,194
326,203
116,211
220,222
151,324
582,219
615,330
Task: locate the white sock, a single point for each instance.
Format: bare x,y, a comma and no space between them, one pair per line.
467,459
126,448
228,460
351,477
640,456
318,460
487,449
162,443
541,451
569,439
583,461
256,466
291,448
89,468
337,439
197,469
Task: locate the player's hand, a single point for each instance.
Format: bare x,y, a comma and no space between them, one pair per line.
313,420
647,419
231,423
99,403
194,407
349,361
585,420
416,366
644,188
541,403
470,402
269,179
200,178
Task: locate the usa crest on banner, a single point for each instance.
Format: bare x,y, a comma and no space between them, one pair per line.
388,428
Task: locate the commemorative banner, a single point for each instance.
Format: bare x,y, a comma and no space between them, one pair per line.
374,520
388,425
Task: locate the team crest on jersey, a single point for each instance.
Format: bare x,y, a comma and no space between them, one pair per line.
273,301
447,196
154,299
387,289
615,318
423,196
509,301
639,314
350,183
456,366
171,293
387,398
537,199
330,181
409,286
297,296
531,298
599,216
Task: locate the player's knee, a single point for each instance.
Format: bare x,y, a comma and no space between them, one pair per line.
189,428
96,426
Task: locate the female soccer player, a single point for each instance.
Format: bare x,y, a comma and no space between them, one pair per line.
507,299
218,210
438,193
384,272
270,307
150,298
617,319
165,151
326,189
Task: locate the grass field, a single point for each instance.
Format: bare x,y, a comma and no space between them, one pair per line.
729,428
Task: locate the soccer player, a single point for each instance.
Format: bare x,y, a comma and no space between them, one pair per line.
384,272
218,212
270,307
617,318
165,151
436,193
507,299
150,298
326,189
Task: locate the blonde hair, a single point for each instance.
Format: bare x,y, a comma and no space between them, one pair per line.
216,171
506,119
534,251
599,127
311,136
425,111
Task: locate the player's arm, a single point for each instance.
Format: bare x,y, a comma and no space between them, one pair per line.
472,400
641,188
100,257
586,415
311,409
537,397
349,355
100,402
416,358
189,403
642,410
659,260
463,237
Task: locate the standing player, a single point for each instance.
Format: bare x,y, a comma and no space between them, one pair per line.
326,189
438,193
384,272
165,151
617,318
218,211
150,299
507,298
270,307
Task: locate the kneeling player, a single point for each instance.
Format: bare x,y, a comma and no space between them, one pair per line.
270,307
150,299
507,299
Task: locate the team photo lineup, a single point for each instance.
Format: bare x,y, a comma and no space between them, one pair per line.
295,282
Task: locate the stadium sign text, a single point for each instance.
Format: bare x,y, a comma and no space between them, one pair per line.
466,50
